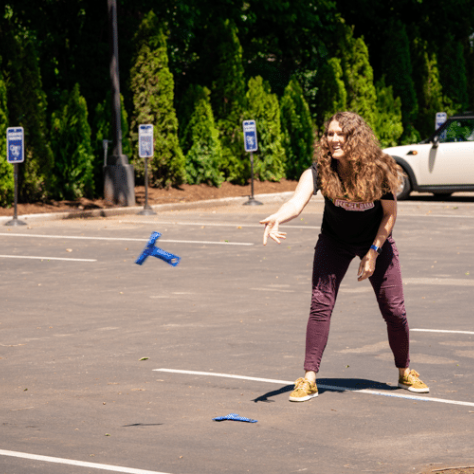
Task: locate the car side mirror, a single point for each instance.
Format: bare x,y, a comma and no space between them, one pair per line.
435,141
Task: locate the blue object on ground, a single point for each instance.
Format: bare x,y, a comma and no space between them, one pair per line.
234,417
151,250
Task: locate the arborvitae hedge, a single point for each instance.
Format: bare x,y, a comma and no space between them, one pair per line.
71,143
388,124
453,73
332,94
297,130
27,108
6,169
358,75
152,86
431,97
397,68
201,140
470,74
263,107
228,98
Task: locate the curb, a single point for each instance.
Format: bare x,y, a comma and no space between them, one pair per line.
118,211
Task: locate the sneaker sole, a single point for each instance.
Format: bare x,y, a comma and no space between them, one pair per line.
415,390
303,399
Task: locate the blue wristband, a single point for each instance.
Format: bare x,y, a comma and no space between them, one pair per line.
377,249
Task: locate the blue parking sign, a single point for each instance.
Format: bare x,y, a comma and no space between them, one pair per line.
250,135
441,117
15,145
145,141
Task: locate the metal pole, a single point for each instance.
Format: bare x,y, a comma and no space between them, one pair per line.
251,174
147,210
119,178
252,201
15,220
115,83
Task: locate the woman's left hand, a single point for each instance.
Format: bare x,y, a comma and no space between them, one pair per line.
367,266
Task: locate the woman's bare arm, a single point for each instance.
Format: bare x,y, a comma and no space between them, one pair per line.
290,209
367,264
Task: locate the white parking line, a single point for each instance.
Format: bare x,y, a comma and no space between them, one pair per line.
443,330
326,387
70,462
434,215
439,281
50,258
213,224
124,239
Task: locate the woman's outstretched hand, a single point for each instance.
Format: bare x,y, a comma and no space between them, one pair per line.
271,230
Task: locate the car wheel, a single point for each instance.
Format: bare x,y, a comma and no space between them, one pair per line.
404,190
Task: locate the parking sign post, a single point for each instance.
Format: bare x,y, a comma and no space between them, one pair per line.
145,150
15,155
251,145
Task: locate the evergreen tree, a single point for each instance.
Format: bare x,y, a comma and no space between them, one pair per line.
388,124
453,74
71,143
263,107
308,80
27,108
103,131
431,97
397,67
152,86
297,130
470,72
228,98
358,75
185,110
201,141
6,169
332,94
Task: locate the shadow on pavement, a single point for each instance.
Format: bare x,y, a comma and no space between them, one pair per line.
325,385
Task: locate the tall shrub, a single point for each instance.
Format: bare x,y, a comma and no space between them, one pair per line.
263,107
152,86
453,74
358,75
71,143
297,130
431,96
202,144
27,108
332,94
228,98
388,124
397,68
470,72
6,169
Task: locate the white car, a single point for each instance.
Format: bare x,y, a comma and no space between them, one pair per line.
442,164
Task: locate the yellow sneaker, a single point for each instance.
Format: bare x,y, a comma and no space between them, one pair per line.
412,383
304,390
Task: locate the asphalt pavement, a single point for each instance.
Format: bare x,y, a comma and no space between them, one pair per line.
108,365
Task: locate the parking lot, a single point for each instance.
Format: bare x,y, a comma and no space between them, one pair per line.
108,365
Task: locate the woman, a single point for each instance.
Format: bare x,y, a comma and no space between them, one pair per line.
358,182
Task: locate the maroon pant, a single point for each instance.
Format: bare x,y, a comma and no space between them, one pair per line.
331,261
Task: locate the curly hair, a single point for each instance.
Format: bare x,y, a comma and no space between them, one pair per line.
373,173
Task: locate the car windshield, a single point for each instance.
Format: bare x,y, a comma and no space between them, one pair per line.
458,130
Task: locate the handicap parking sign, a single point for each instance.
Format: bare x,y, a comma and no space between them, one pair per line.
250,135
145,141
441,117
15,145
